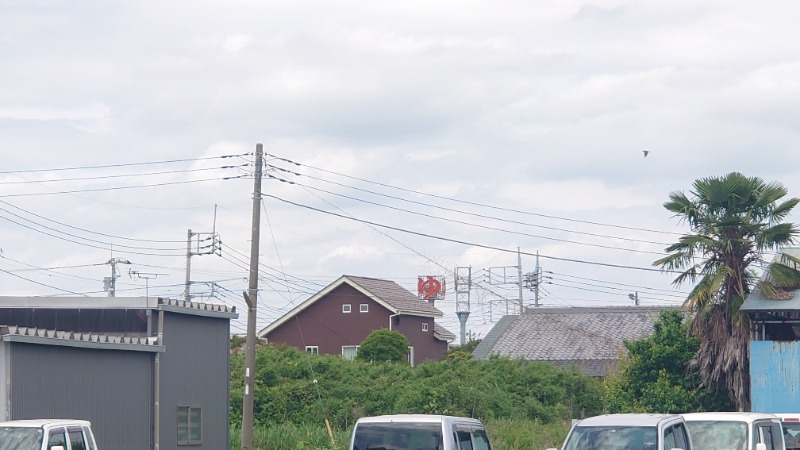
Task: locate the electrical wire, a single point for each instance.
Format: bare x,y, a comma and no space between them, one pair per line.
483,205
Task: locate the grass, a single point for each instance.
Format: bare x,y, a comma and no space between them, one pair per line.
505,435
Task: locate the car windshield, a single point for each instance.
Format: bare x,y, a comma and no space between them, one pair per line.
20,438
612,438
791,434
398,436
718,434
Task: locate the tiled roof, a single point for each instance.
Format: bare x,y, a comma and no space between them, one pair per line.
588,337
442,333
398,297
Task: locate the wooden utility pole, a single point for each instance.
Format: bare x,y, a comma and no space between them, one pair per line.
251,297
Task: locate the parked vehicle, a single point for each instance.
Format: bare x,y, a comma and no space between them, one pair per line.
47,434
419,432
735,431
791,430
629,432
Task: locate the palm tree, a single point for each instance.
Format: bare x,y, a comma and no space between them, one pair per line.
733,220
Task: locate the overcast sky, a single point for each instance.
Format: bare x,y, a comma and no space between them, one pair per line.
460,131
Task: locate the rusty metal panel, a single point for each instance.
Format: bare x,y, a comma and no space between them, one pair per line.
775,376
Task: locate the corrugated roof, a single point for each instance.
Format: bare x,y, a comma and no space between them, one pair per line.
78,339
755,302
569,335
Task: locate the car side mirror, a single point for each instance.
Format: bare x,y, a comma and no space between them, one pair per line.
761,446
551,448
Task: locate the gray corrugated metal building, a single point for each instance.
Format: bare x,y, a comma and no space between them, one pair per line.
112,360
589,338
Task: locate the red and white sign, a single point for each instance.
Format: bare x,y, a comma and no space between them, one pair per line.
430,287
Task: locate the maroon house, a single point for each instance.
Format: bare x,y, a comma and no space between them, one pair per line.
338,318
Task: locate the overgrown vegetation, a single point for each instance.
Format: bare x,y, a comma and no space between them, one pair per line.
296,387
525,405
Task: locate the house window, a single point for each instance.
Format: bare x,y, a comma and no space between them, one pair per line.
190,420
313,349
363,307
346,308
349,351
424,326
411,356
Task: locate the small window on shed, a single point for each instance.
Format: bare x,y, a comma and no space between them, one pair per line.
190,420
424,326
346,308
363,307
313,349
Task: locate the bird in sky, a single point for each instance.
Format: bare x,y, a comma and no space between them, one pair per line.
646,152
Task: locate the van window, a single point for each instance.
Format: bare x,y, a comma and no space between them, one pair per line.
767,433
481,440
76,441
680,436
464,439
57,437
398,435
791,434
669,438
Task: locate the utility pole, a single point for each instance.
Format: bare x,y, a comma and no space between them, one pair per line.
110,283
519,281
187,290
215,248
533,280
251,297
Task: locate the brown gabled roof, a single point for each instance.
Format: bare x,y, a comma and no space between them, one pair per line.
391,295
400,299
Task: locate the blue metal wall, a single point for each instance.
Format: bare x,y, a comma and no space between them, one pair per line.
775,376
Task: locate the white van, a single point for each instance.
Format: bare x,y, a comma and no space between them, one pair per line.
419,432
47,434
735,431
629,432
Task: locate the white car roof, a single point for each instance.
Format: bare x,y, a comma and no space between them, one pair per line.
38,423
640,420
402,418
794,417
728,416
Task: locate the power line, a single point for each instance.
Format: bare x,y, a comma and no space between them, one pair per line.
483,205
516,222
458,241
118,188
485,227
106,166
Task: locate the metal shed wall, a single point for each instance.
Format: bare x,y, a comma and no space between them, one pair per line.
111,388
194,372
775,376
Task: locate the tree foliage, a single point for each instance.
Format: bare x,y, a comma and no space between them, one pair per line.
285,390
733,221
656,375
384,345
